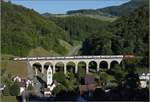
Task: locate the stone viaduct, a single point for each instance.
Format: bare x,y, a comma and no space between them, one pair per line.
53,61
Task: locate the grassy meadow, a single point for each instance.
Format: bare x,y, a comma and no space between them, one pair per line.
15,67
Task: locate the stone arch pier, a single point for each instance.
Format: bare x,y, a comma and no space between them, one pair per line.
103,61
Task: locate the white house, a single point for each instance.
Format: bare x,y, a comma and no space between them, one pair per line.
2,87
22,86
17,79
47,92
28,82
144,79
143,83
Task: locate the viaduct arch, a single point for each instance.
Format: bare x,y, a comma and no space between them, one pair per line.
103,61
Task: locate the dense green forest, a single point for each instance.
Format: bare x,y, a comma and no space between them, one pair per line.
120,10
79,27
127,35
24,30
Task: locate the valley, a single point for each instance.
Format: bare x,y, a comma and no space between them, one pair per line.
82,47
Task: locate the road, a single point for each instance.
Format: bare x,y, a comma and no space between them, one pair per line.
74,50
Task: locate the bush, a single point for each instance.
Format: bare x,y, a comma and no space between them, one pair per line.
14,90
6,91
59,77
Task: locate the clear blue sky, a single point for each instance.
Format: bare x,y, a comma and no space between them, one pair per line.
61,6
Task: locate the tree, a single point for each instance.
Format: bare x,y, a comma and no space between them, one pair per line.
103,79
117,45
3,71
6,81
6,91
81,72
30,87
132,80
59,77
71,82
98,44
131,64
14,89
59,88
119,74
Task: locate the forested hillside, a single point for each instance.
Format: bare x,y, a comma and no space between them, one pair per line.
79,27
121,10
25,32
24,29
127,35
124,9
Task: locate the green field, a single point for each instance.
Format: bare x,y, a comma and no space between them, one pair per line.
15,67
8,99
103,18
